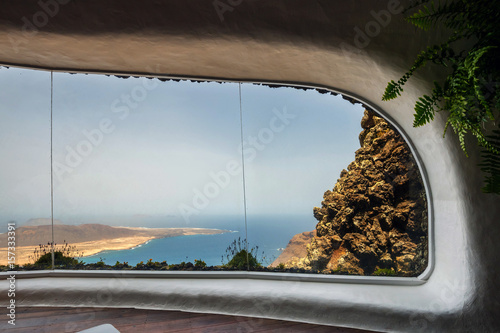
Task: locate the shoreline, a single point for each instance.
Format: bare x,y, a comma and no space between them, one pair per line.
93,247
90,248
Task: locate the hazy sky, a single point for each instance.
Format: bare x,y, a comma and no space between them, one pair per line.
138,146
24,144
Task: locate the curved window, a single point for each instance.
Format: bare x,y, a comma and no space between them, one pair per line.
107,172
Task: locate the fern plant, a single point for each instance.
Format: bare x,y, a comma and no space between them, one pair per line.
470,94
491,165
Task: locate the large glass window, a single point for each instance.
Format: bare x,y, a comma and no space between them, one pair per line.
164,174
25,185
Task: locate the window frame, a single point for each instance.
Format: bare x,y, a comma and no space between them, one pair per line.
254,275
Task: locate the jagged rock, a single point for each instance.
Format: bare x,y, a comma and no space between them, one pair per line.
376,215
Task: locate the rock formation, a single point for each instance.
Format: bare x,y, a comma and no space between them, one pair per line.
376,215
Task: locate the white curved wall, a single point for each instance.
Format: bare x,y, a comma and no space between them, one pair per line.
295,42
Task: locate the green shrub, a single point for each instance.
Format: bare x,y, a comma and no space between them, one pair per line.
186,266
59,260
239,258
100,263
42,250
153,264
123,265
198,263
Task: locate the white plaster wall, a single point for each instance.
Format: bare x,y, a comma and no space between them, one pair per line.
280,41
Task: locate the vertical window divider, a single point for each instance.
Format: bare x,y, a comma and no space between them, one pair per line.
243,175
51,170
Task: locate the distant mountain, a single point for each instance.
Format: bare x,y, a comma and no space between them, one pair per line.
296,247
71,234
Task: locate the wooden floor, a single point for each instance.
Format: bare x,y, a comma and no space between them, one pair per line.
55,320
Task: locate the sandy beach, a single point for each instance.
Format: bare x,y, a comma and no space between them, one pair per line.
112,238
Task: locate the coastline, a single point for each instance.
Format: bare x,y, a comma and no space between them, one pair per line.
93,247
88,248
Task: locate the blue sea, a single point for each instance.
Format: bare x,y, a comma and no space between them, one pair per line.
269,233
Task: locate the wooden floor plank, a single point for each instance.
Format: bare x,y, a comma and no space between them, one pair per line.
77,315
50,320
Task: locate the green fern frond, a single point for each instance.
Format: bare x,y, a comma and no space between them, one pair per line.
471,65
415,4
494,141
433,53
470,101
460,130
424,108
428,16
392,91
470,62
422,19
490,164
424,111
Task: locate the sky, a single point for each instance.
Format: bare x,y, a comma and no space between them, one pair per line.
143,147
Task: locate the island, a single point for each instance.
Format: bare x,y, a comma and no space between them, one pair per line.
88,239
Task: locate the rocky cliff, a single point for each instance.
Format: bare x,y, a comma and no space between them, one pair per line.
296,248
375,217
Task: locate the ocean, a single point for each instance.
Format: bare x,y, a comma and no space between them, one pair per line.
270,234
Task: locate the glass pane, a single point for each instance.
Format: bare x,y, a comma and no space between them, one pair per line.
303,216
148,174
25,169
138,161
293,142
